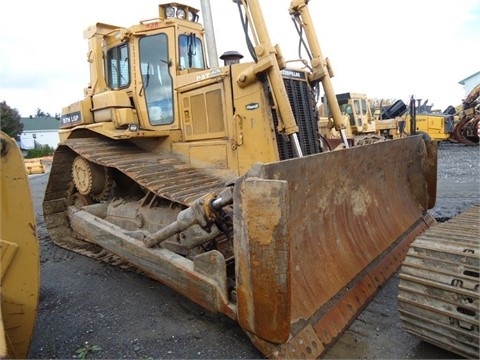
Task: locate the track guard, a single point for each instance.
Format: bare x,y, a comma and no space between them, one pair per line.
315,238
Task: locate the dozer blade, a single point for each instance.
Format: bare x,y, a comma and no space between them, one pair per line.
315,238
19,254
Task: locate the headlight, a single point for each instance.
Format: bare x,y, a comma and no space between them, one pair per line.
181,14
170,12
133,127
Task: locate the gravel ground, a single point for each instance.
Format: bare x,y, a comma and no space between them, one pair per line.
458,185
85,303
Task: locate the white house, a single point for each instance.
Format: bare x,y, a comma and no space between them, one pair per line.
38,131
470,82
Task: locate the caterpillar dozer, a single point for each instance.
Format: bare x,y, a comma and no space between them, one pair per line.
212,179
362,126
19,254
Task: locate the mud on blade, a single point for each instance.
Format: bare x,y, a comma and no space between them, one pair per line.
316,237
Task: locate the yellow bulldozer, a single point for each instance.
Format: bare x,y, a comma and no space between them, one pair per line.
365,125
19,254
213,180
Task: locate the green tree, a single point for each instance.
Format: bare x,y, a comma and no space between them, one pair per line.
41,113
10,122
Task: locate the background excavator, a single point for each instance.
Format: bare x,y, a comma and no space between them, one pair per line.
212,179
19,254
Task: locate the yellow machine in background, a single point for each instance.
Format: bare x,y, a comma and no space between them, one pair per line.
19,253
435,124
361,124
34,166
212,179
364,126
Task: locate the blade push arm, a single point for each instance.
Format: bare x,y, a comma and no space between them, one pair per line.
267,62
320,66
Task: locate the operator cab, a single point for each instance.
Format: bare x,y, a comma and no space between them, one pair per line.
356,107
134,71
159,62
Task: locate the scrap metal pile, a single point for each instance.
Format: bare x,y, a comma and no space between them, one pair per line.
467,129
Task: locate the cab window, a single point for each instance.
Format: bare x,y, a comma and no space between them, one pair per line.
364,107
117,67
347,109
190,52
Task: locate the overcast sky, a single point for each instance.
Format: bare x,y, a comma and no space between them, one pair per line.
386,49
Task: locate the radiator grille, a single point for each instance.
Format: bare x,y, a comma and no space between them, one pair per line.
303,107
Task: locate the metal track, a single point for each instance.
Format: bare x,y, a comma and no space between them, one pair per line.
163,174
439,285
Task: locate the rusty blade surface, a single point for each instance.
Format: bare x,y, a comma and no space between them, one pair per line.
339,224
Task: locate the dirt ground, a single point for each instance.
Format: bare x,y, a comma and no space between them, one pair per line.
108,312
